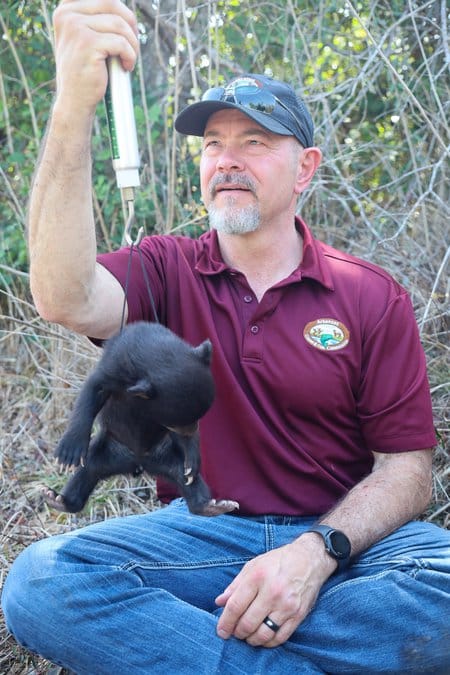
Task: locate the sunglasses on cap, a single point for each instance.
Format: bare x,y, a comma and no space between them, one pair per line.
251,94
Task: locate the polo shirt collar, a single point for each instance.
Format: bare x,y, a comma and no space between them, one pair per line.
314,264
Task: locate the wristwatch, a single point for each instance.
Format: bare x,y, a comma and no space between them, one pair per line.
337,544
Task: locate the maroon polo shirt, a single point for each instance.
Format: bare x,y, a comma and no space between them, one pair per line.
325,368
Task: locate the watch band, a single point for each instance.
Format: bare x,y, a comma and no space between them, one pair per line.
337,544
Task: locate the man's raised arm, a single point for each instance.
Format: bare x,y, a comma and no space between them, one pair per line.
67,284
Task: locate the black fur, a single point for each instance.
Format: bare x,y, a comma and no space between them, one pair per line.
148,390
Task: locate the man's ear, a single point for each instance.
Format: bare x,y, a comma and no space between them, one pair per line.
308,163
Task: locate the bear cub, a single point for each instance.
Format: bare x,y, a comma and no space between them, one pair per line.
147,392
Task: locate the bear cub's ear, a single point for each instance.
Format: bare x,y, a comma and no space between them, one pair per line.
204,352
143,388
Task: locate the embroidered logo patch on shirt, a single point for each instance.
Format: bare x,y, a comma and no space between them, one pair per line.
326,334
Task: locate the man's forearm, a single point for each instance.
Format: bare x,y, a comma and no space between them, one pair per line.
61,231
397,490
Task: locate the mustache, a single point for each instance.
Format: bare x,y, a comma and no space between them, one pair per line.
230,179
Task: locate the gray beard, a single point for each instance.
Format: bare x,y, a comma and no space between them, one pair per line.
234,220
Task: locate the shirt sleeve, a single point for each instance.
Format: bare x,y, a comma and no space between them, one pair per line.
394,402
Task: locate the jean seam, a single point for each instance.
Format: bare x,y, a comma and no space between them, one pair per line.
369,578
269,536
419,563
204,564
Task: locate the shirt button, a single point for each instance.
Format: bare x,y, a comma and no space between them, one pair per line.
254,329
248,298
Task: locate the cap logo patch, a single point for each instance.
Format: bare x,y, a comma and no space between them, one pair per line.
241,82
326,334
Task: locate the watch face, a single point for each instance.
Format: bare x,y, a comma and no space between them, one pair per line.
340,544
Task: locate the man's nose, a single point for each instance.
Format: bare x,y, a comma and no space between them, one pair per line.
230,160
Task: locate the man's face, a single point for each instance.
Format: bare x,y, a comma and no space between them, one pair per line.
248,175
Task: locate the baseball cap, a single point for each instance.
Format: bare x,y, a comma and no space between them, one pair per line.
271,103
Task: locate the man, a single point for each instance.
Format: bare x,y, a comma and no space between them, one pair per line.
321,428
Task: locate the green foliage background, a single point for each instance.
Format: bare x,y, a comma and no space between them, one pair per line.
376,78
374,73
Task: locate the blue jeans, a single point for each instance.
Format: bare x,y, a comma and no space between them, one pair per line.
136,595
